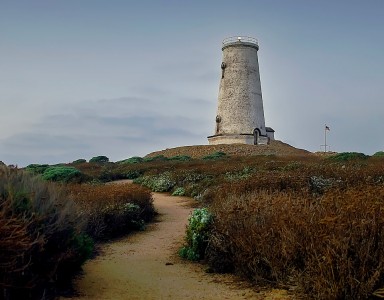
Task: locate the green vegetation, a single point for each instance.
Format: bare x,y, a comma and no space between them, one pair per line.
36,168
346,156
79,161
132,174
214,156
379,154
62,173
157,183
180,191
155,158
197,234
99,159
132,160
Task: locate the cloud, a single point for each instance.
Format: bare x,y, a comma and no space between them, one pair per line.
118,128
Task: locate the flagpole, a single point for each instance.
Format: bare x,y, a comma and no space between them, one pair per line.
325,138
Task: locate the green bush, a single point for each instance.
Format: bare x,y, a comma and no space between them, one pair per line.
180,191
79,161
157,183
133,174
132,160
36,168
99,159
379,154
214,156
197,234
346,156
62,173
155,158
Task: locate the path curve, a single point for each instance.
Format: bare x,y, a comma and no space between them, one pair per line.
145,265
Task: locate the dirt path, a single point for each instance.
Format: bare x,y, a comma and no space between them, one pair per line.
145,265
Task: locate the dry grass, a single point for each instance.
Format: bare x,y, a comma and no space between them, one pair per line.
39,235
305,221
112,210
43,228
274,148
330,244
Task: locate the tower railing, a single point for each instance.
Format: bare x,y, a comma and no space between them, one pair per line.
240,39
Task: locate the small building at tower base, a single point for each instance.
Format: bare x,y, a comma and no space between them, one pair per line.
243,138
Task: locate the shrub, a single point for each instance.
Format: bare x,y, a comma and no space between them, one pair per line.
41,237
197,234
79,161
132,160
155,158
112,209
180,158
318,184
379,154
132,174
99,159
157,183
214,156
36,168
345,156
180,191
62,173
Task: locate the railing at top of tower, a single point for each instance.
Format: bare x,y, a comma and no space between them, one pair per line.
240,39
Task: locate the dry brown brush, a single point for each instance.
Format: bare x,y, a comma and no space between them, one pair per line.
331,246
41,241
112,210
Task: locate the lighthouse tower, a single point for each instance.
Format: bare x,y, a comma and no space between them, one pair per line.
240,113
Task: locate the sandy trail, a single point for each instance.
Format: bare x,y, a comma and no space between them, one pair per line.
145,265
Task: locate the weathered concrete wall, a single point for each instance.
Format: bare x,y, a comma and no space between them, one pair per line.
231,139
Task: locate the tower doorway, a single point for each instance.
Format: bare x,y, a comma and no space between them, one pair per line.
256,134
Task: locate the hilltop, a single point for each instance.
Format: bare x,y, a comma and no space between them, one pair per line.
274,148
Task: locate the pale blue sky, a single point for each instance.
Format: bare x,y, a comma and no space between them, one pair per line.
80,78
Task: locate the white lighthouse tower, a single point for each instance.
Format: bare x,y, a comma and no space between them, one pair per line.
240,112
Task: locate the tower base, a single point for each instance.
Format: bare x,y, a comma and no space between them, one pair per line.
237,139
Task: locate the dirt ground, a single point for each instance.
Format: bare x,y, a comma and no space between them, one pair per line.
146,266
